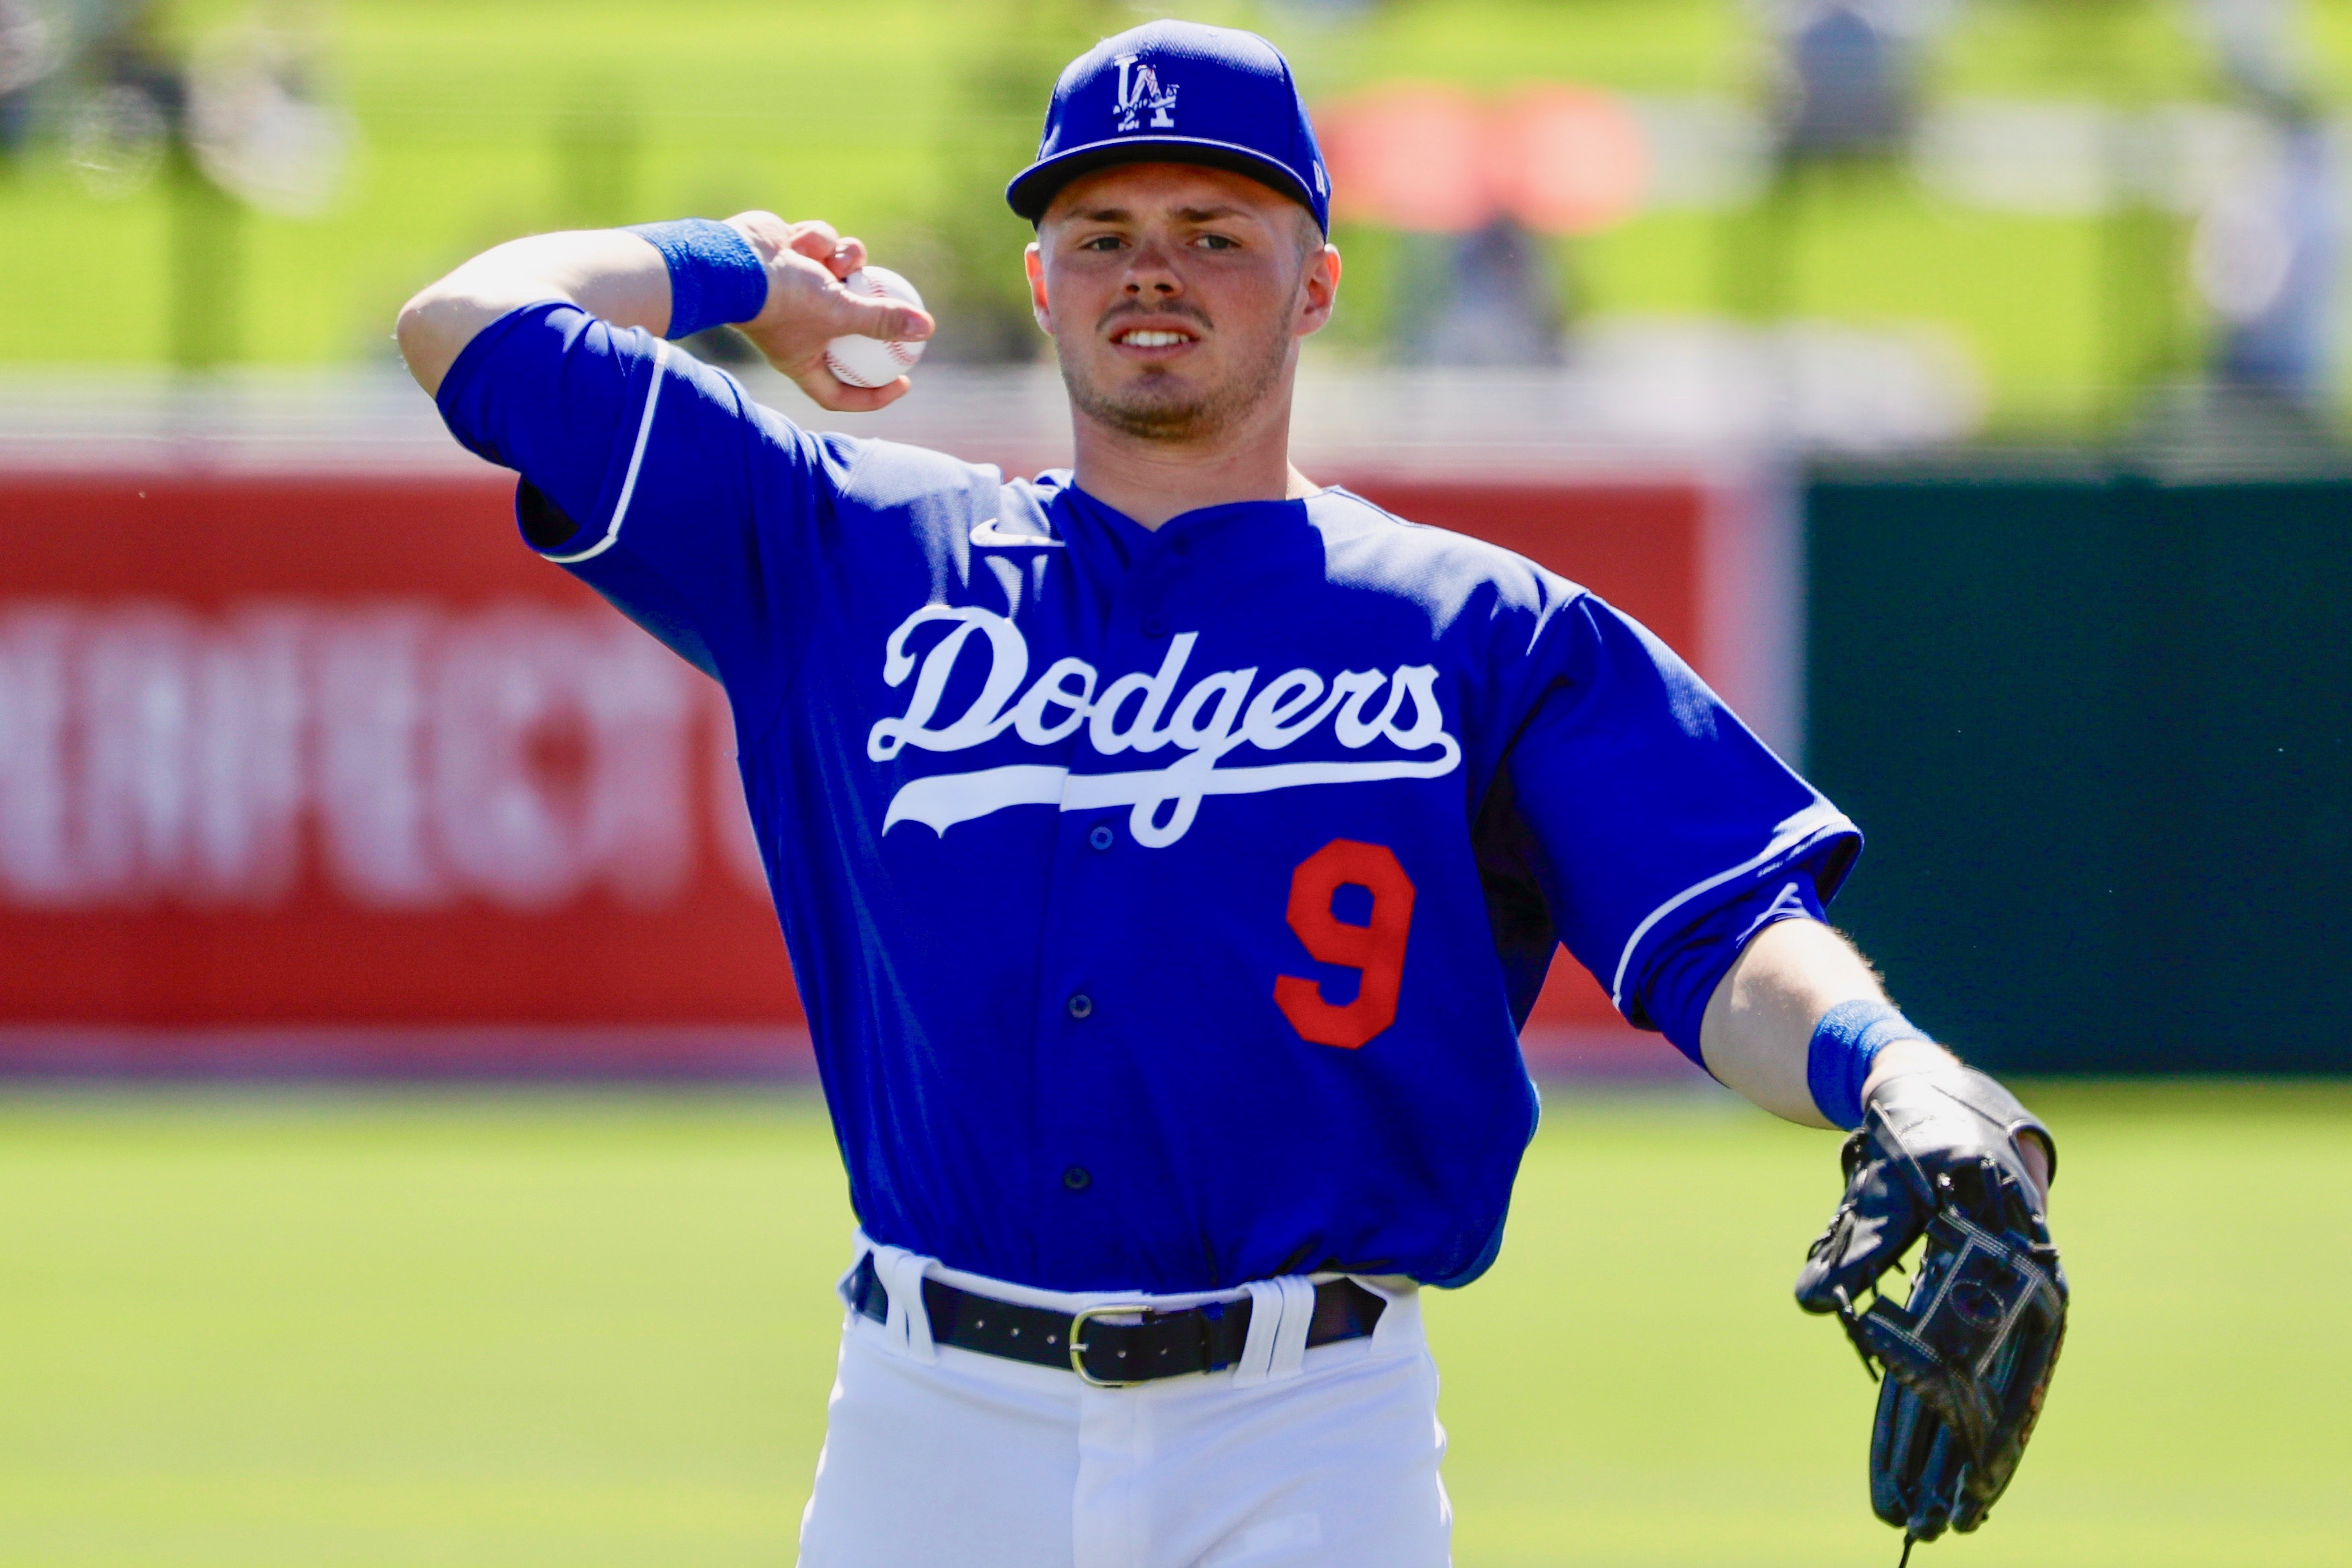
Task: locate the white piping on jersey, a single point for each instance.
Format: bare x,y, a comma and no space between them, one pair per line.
1791,833
637,456
989,533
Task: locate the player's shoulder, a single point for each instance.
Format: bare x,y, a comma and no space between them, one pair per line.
892,476
866,473
1367,544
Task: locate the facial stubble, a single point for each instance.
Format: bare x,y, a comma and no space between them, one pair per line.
1156,408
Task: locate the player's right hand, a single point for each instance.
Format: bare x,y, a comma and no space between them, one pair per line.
808,308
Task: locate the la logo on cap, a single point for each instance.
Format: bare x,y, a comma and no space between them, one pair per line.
1138,89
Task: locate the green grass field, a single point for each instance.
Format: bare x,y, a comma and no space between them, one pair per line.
595,1328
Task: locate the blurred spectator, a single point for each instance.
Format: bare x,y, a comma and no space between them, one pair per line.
1848,78
1477,192
1489,297
2265,253
132,108
1845,95
1848,87
261,121
31,46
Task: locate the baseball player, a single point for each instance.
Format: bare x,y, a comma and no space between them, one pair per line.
1168,848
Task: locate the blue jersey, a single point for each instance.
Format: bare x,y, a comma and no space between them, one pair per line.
1165,903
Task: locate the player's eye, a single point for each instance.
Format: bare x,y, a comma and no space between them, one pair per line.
1101,242
1217,242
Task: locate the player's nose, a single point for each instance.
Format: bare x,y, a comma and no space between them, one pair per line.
1150,271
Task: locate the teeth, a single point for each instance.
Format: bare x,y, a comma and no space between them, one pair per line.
1151,340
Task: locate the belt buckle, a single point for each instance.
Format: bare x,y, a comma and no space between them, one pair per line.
1078,1348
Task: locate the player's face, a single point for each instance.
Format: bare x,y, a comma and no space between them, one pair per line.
1176,295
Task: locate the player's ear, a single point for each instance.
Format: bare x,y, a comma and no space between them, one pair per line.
1319,290
1034,260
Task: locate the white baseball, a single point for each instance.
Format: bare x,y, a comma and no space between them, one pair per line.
870,362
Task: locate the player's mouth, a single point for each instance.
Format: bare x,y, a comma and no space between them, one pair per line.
1155,340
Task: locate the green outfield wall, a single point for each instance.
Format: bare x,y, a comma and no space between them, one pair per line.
2095,732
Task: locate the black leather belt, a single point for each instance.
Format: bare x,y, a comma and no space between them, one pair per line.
1109,1354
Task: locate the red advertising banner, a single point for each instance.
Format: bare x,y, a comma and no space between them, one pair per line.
337,751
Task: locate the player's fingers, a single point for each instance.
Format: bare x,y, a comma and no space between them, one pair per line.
829,391
1870,1234
847,257
884,319
815,239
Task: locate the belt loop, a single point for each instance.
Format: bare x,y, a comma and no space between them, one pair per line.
1280,1313
908,1323
1402,1316
1298,1317
1257,1345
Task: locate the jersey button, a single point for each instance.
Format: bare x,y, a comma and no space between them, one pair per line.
1102,838
1155,625
1077,1179
1081,1004
1180,546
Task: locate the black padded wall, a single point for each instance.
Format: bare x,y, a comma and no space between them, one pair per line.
2098,736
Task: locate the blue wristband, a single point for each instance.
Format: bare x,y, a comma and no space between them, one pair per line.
714,276
1846,1042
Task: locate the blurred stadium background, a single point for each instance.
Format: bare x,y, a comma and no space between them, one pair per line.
408,1152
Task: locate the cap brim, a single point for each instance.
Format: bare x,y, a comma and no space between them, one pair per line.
1034,189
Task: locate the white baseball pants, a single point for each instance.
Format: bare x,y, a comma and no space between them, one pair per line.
940,1457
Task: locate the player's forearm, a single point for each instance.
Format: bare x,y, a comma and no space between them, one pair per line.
1758,1034
609,273
1758,1028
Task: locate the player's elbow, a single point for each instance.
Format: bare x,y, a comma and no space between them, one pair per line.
408,330
430,331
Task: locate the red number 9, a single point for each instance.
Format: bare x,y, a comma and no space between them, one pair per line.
1375,947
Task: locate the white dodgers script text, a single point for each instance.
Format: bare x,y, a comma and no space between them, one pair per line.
1142,713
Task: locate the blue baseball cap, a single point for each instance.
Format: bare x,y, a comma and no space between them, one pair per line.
1178,92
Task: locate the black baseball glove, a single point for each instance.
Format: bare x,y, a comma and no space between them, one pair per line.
1969,1355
